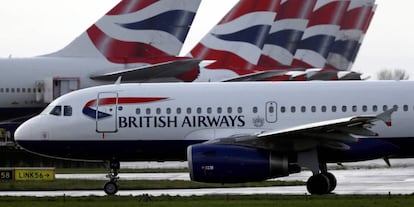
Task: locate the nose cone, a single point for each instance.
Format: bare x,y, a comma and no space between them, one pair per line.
24,134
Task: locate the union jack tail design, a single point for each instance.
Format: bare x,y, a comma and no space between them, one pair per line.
236,42
136,29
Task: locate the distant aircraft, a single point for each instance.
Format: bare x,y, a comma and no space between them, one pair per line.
286,40
138,39
229,132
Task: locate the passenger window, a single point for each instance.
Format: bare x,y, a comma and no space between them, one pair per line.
168,110
178,110
344,109
405,107
137,111
188,110
158,111
323,108
255,110
292,109
199,110
1,90
364,108
374,108
57,111
148,111
229,110
209,110
283,109
395,107
239,110
67,111
303,109
219,110
385,107
354,108
313,109
333,108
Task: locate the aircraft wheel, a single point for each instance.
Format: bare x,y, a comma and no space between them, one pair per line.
318,184
110,188
332,181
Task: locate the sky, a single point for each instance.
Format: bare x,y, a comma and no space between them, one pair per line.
31,28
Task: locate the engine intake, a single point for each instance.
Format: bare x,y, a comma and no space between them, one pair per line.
214,163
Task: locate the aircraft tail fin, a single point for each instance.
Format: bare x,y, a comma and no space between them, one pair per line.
136,29
237,40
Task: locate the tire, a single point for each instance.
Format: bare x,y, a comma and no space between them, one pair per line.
318,184
111,188
332,181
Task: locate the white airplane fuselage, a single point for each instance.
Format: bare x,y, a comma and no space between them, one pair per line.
159,121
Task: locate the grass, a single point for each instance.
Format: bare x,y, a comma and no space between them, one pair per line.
212,200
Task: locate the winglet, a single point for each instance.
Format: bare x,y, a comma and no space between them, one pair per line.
118,81
386,116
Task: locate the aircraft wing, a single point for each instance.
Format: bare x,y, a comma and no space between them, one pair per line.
166,71
334,134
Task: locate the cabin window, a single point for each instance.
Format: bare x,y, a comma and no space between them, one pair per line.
313,109
158,111
283,109
405,107
323,108
23,90
67,111
178,110
168,110
1,90
255,110
354,108
293,109
219,110
57,111
385,107
333,108
374,108
199,110
344,108
7,90
395,107
229,110
239,110
364,108
138,111
188,110
209,110
303,109
148,111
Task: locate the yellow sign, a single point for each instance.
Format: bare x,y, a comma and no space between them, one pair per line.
34,174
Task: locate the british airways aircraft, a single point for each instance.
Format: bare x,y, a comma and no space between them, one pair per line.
137,38
229,132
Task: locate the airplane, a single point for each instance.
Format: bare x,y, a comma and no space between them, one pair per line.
306,40
138,39
229,132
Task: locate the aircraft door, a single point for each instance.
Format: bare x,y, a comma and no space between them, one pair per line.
106,112
271,112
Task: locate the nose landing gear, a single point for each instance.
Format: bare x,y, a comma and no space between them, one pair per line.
111,187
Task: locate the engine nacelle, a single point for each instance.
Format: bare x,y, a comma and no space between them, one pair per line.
214,163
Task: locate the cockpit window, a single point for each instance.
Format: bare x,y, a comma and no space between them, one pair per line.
57,111
67,111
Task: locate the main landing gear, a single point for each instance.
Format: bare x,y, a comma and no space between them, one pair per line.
321,182
111,187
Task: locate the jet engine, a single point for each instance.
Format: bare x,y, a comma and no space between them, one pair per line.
215,163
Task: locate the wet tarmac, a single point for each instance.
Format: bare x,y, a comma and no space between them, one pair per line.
353,180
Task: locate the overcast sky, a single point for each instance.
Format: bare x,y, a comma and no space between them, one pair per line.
31,28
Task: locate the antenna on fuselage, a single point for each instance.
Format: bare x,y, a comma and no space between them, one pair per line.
118,81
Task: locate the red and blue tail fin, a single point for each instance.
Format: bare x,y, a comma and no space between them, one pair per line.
136,29
236,42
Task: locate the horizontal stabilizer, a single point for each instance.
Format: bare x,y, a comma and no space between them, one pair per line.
149,73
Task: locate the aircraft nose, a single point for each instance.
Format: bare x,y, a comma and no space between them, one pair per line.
24,133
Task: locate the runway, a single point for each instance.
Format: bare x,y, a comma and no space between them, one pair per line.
397,180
